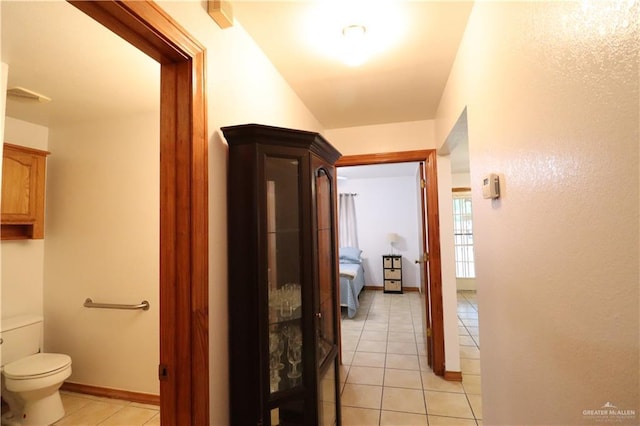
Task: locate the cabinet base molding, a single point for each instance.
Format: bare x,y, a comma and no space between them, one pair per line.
453,376
141,398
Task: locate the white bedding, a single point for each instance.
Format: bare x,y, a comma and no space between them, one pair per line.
351,274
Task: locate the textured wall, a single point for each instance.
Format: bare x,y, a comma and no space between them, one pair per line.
551,91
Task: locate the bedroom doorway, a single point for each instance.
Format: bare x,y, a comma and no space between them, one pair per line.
432,305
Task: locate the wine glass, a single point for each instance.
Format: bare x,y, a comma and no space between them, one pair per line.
286,309
276,347
294,355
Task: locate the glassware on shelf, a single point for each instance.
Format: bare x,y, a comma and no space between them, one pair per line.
284,302
276,348
294,351
294,355
286,309
274,382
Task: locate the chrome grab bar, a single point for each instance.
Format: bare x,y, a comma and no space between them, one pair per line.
89,303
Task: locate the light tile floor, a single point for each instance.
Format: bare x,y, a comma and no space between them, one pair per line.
385,377
83,410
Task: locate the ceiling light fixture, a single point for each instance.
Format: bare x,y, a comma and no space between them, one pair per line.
354,31
355,51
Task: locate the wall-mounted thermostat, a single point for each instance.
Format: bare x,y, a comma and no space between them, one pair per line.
491,186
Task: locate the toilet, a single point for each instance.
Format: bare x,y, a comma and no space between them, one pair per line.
30,378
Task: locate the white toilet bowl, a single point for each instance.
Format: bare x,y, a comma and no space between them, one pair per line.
30,386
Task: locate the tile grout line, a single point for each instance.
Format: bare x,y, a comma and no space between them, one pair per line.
389,306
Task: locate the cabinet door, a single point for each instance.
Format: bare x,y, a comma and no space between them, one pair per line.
19,187
327,294
286,342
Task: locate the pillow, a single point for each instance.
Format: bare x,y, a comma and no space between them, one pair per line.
350,255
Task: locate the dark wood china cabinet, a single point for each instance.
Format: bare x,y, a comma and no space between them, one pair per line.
283,310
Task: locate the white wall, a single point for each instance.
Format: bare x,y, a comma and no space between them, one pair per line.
22,260
448,266
552,102
396,137
102,241
383,206
243,87
460,180
392,137
463,180
4,73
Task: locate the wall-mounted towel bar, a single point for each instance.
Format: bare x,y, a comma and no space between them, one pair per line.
89,303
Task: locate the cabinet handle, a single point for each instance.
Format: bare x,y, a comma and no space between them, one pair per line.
319,315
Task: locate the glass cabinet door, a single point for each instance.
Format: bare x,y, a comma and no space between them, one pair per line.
326,316
284,273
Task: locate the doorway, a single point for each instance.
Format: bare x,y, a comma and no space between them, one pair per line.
457,143
434,335
183,369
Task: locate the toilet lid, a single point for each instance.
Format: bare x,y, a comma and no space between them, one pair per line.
36,365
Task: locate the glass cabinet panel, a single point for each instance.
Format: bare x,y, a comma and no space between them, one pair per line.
283,273
326,273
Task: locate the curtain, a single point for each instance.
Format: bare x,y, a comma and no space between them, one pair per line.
347,226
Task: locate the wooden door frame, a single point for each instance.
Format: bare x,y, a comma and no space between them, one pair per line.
428,156
424,262
184,336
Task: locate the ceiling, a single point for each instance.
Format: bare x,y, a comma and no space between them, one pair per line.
54,49
402,80
416,43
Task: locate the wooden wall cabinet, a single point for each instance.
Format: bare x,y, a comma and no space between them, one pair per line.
283,276
23,186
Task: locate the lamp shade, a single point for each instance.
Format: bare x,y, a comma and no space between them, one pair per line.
393,238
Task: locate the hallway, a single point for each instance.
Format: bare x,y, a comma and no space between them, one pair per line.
385,377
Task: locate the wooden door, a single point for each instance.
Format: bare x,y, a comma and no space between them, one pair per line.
423,261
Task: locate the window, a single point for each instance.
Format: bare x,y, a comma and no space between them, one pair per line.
463,235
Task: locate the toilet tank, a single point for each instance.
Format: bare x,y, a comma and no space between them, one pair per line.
21,337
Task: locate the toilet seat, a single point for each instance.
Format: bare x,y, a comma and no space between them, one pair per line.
37,365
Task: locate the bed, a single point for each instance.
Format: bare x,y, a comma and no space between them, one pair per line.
351,278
